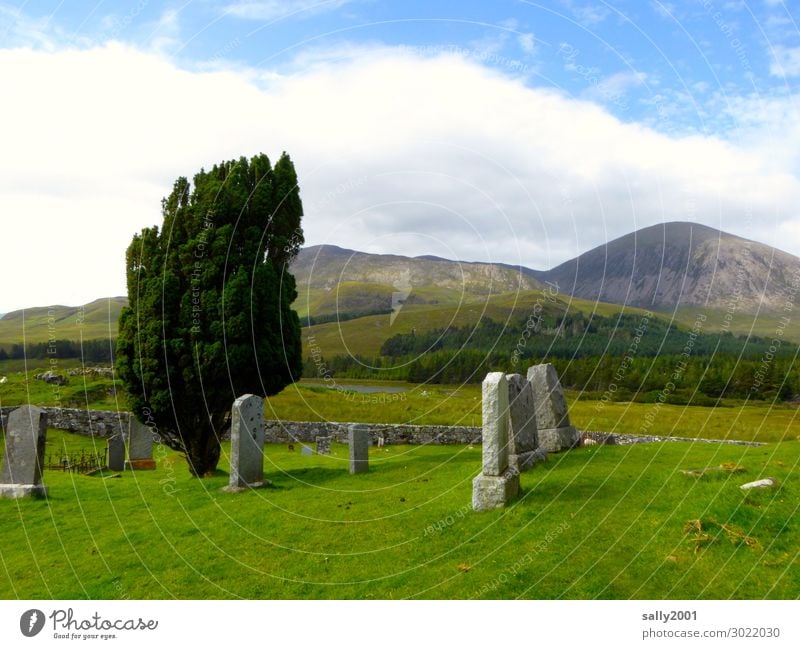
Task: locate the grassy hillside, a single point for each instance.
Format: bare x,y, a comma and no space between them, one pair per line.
598,522
97,319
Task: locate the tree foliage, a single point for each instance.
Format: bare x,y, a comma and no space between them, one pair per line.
209,292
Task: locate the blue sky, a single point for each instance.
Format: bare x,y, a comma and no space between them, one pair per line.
511,131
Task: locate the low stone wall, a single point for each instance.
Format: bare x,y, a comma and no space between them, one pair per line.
600,437
92,423
307,432
104,423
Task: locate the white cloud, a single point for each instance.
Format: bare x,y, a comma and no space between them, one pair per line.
785,61
273,9
395,151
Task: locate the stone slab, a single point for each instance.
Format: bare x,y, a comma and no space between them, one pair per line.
15,491
358,441
492,492
554,440
116,453
523,431
551,404
25,438
494,392
247,442
140,440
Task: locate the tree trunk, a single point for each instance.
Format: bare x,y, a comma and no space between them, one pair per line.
204,450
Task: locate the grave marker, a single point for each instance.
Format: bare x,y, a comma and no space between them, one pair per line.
497,483
247,443
26,433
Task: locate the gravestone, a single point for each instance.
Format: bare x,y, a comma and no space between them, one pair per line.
323,445
116,452
140,446
247,443
23,461
358,440
552,416
306,450
497,482
523,434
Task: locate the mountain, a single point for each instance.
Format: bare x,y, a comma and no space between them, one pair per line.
333,280
672,264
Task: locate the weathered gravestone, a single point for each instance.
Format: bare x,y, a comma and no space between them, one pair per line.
552,417
26,432
247,443
140,446
323,445
306,450
358,440
523,436
497,483
116,452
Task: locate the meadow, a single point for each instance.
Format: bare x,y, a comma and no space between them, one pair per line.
597,522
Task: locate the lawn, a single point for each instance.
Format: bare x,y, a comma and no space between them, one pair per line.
598,522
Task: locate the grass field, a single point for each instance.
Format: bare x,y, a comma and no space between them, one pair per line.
598,522
447,405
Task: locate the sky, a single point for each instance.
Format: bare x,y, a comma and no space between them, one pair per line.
504,131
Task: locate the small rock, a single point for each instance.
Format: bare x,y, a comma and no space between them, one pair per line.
759,484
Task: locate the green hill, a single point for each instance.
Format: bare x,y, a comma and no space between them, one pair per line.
94,320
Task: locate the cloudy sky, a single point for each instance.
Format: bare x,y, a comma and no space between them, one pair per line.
512,131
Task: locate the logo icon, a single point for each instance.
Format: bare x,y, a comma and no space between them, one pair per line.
31,622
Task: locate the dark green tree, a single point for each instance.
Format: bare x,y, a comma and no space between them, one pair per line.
209,315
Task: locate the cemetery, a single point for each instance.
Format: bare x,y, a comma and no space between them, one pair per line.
384,511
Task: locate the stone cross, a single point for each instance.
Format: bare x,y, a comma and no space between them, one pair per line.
140,446
247,443
523,434
358,440
552,417
497,483
23,461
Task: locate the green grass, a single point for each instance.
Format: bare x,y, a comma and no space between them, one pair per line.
461,406
598,522
80,391
445,405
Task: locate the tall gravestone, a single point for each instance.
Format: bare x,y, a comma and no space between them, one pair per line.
247,443
552,417
116,452
358,440
523,434
140,446
23,460
497,482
